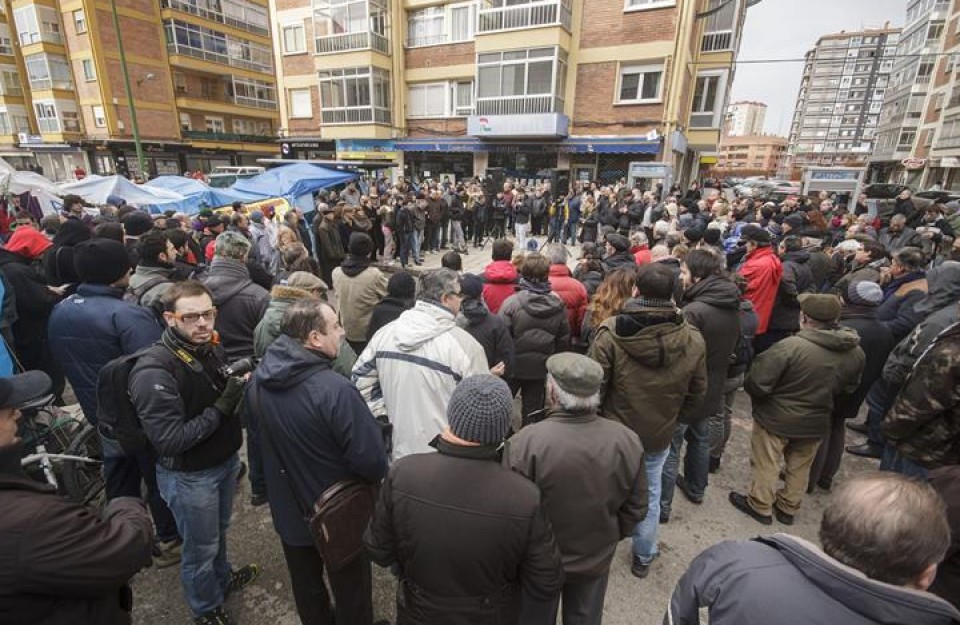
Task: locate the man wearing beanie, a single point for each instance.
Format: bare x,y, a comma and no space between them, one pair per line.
618,253
488,329
135,224
859,313
358,286
793,387
88,330
401,296
590,471
470,536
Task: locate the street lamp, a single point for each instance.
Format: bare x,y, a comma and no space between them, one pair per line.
141,163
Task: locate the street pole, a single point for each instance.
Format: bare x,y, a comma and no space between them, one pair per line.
141,165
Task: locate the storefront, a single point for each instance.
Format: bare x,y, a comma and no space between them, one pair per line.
59,162
456,166
307,148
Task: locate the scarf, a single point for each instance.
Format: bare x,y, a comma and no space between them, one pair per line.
354,265
541,288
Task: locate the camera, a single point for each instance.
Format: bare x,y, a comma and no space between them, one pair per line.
238,368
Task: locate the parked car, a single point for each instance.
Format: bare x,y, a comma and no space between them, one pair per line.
224,176
884,190
940,197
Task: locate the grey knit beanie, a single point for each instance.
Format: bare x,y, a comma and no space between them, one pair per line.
863,293
480,409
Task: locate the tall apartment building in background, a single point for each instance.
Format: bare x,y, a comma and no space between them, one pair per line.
456,88
841,94
201,73
903,129
745,118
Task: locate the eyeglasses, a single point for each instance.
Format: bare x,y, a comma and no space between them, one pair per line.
206,315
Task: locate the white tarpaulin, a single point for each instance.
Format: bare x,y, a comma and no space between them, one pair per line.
97,190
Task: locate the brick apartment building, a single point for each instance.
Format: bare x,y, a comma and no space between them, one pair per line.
753,155
456,88
201,75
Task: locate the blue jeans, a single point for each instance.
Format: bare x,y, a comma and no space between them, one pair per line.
880,400
892,461
645,532
696,462
201,502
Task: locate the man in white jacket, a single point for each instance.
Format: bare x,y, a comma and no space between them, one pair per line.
409,369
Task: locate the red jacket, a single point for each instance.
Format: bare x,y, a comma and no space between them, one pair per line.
573,294
642,255
500,282
763,271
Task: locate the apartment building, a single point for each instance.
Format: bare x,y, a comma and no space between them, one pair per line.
903,131
752,155
845,77
745,119
201,78
456,88
935,158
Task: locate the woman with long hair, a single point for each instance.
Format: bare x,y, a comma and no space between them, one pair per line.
611,295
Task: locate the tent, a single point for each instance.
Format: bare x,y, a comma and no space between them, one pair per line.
196,194
96,189
19,182
292,181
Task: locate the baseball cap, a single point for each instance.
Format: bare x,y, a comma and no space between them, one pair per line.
18,390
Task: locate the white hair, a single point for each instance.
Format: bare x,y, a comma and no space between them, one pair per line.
569,401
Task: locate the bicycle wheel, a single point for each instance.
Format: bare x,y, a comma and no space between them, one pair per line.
83,481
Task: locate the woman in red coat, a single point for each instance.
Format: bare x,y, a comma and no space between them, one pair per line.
763,271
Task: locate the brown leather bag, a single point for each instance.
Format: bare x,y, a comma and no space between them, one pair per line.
340,515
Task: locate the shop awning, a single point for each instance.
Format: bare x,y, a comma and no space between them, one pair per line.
570,145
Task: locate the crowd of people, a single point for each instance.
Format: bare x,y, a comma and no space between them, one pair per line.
184,337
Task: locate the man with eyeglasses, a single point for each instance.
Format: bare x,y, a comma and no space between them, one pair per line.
186,405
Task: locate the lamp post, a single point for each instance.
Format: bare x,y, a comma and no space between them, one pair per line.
141,163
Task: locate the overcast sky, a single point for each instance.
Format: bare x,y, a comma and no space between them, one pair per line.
777,29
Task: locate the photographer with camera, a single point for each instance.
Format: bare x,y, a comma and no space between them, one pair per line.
186,405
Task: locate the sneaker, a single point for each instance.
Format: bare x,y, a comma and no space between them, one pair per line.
213,617
242,577
741,503
683,488
258,499
167,553
641,570
783,517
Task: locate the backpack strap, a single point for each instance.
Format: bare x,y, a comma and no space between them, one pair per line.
147,286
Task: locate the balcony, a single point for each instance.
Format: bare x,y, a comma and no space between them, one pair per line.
355,115
48,83
216,57
947,142
519,105
206,135
259,103
9,89
332,44
530,15
215,16
718,41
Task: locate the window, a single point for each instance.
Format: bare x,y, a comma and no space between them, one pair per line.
462,21
213,124
48,71
180,82
355,95
46,112
6,45
211,45
443,24
10,82
89,73
462,98
99,118
427,100
640,5
640,84
301,103
249,92
708,97
185,122
80,22
37,23
294,39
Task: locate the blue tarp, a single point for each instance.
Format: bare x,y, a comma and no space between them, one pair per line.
198,195
291,181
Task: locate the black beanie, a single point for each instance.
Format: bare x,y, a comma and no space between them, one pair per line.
712,236
137,223
360,244
471,286
101,261
402,286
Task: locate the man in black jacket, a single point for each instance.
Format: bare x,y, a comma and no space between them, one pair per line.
62,562
297,396
186,406
468,537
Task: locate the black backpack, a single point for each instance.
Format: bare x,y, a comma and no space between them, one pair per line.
116,415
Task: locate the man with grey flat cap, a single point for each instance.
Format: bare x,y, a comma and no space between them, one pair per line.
591,476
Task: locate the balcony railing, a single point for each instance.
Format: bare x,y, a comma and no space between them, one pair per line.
49,125
226,136
715,42
6,89
270,105
331,44
216,57
532,15
215,16
519,105
947,142
49,83
355,115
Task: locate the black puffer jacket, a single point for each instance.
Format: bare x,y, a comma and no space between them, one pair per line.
713,307
489,330
797,279
467,535
240,305
876,343
538,324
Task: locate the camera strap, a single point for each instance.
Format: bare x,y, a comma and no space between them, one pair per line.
188,359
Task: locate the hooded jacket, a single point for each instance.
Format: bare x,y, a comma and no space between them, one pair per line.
796,279
34,303
159,280
898,309
58,259
500,282
358,287
794,383
267,331
62,563
489,330
409,370
386,311
573,293
240,305
618,260
537,322
876,343
654,370
321,426
712,306
782,575
763,271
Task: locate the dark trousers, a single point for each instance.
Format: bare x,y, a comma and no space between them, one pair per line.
880,399
581,603
532,397
479,232
123,477
352,588
258,480
830,454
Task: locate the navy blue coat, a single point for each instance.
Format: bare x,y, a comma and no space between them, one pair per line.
92,327
323,427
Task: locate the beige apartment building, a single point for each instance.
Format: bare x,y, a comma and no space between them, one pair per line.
458,88
745,118
756,155
201,75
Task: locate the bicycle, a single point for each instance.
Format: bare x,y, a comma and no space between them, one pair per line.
63,450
